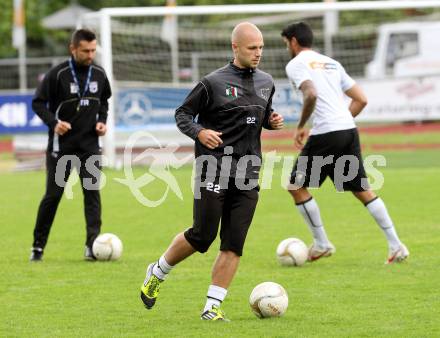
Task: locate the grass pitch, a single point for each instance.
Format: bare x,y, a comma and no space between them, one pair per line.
349,294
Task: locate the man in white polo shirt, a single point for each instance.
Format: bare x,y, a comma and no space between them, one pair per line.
333,148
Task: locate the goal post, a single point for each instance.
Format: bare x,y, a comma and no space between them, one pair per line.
143,56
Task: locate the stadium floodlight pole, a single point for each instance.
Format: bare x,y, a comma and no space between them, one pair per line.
19,41
107,64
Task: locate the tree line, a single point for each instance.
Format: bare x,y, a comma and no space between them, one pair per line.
49,42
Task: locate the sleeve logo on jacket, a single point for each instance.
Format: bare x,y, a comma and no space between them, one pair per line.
231,91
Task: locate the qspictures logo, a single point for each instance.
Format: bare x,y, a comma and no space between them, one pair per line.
162,160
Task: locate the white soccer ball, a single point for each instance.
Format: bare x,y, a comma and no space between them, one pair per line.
292,252
107,247
268,299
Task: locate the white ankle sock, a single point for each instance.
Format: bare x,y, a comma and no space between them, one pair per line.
161,269
310,212
215,296
379,212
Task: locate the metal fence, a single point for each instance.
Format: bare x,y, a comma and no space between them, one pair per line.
35,69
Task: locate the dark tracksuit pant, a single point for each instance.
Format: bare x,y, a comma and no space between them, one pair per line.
54,192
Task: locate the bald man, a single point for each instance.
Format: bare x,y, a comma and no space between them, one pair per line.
224,115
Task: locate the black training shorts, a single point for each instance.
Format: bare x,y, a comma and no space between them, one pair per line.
335,154
235,207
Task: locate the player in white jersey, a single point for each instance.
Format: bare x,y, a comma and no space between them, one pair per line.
333,148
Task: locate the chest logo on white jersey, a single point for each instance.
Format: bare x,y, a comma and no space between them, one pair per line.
322,65
93,87
73,88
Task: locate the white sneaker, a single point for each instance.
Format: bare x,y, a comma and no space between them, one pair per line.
398,255
316,252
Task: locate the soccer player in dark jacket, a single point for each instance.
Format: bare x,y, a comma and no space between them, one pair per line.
224,114
72,101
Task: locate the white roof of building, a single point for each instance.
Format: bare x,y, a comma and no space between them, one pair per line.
65,18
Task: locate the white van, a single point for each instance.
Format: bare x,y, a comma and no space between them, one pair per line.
406,49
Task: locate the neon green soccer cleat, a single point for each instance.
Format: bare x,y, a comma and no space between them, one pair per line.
150,288
215,313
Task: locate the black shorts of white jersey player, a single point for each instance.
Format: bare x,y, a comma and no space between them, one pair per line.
233,205
335,154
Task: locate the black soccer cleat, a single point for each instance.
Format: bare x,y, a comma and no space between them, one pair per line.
36,254
88,254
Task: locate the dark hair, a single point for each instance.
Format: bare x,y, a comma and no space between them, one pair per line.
81,35
301,32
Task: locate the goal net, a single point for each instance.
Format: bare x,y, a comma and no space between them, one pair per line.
154,55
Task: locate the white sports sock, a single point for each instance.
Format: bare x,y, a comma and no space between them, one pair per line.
310,212
215,296
161,269
379,212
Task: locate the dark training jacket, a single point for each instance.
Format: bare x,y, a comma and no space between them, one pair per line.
56,98
236,102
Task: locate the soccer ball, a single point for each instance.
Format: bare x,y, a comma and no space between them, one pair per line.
107,247
292,252
268,299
